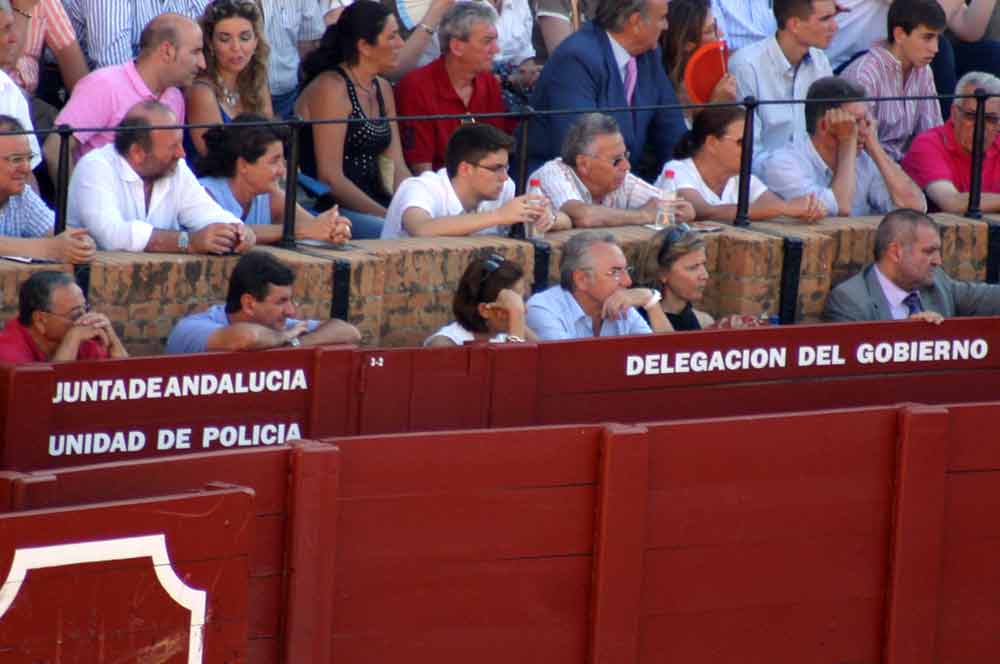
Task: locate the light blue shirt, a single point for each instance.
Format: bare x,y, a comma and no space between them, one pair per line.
26,216
745,21
260,207
798,170
554,314
191,333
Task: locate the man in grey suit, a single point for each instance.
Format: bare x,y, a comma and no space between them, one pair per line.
906,280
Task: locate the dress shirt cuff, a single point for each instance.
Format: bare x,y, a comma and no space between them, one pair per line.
829,201
139,234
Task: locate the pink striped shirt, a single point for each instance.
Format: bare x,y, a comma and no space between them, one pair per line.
881,75
49,25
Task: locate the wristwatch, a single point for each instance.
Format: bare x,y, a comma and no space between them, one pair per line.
426,28
183,241
654,299
294,342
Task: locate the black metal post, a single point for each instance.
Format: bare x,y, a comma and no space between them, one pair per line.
746,161
522,151
291,183
976,176
62,178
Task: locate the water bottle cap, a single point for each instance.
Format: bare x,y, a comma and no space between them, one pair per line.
668,173
534,182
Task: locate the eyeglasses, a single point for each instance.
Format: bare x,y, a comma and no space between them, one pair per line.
738,141
74,314
616,273
614,161
490,265
496,169
220,9
672,235
19,159
992,119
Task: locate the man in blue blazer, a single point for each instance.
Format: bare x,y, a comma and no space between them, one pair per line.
906,280
590,69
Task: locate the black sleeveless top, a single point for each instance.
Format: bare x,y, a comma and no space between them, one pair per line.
685,320
363,144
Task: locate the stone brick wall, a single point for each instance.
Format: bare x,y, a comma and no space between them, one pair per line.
398,292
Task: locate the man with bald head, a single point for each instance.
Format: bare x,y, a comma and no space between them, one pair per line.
138,194
170,56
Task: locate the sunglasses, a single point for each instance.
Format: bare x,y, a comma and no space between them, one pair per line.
490,265
672,236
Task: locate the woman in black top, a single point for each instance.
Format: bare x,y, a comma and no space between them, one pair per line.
362,162
674,261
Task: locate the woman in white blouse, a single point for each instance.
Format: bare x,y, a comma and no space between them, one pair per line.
707,169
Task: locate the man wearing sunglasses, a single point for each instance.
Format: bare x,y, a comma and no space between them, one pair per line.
940,159
594,297
591,182
55,324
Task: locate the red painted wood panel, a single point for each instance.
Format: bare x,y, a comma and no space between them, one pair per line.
969,448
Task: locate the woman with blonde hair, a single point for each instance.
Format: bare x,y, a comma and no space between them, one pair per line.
674,262
235,76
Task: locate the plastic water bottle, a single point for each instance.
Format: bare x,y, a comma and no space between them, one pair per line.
668,193
534,189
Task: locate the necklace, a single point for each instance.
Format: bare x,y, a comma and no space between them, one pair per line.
370,90
231,98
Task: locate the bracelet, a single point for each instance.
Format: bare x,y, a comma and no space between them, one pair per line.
21,12
426,28
514,339
653,299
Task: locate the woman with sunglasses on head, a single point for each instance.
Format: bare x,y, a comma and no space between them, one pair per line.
707,173
235,76
242,170
362,162
488,305
674,262
692,25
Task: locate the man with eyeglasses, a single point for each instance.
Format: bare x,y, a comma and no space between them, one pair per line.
258,314
592,184
26,222
940,159
594,297
54,324
472,195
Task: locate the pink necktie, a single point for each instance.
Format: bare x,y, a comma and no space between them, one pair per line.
630,76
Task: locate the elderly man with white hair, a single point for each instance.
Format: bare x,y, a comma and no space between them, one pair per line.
940,159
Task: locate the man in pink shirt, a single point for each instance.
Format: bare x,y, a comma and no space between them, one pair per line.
170,56
940,159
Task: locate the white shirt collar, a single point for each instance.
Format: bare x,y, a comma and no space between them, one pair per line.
620,54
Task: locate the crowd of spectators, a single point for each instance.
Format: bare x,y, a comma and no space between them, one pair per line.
123,73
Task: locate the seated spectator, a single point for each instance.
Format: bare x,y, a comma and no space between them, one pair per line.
294,28
840,159
472,195
611,62
54,324
242,172
110,32
235,76
258,314
594,297
137,194
420,40
592,184
12,101
460,81
674,263
558,19
516,64
783,66
361,162
707,173
906,280
860,23
745,21
901,67
940,159
25,221
692,25
488,305
170,58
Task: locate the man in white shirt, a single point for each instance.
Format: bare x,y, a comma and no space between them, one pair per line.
592,184
138,194
471,195
783,67
12,100
293,28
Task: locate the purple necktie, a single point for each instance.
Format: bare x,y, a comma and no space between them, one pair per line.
630,76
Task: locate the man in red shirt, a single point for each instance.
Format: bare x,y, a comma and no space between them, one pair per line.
940,159
461,81
54,324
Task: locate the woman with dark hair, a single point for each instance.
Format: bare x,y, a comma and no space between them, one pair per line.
362,161
692,25
241,171
707,172
235,76
674,263
488,305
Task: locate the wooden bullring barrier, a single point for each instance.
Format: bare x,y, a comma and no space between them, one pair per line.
853,535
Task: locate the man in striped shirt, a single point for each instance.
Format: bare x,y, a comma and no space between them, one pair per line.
900,67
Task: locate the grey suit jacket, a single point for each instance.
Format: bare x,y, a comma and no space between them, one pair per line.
860,298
